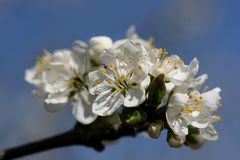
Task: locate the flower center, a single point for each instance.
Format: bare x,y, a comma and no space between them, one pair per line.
166,64
119,79
76,83
194,105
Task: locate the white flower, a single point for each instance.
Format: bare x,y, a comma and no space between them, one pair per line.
173,68
193,109
121,80
189,82
62,78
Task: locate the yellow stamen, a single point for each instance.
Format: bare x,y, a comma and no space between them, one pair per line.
150,40
205,88
102,70
98,81
109,81
216,118
111,66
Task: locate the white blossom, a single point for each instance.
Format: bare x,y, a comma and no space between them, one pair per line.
121,80
63,78
193,109
101,76
188,83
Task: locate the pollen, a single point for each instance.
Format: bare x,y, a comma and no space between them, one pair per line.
187,109
111,66
205,88
197,100
216,118
198,108
98,81
160,50
102,70
109,81
190,95
150,40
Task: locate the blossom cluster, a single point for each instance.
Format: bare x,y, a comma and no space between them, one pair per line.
102,78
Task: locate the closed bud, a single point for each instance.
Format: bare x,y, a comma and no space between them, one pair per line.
175,141
97,45
154,130
195,141
156,91
133,117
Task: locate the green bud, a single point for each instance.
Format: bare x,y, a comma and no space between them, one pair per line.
154,130
194,140
133,117
156,91
175,141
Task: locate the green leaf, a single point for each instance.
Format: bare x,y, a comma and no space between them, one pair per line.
133,117
156,91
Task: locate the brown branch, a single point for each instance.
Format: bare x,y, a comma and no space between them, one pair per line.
65,139
103,129
86,135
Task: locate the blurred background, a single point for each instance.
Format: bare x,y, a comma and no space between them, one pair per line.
206,29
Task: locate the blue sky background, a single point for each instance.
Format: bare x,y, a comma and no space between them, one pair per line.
206,29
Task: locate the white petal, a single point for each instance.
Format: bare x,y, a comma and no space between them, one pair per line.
55,78
199,124
145,83
64,57
193,67
133,51
80,47
209,133
178,99
199,81
107,102
212,99
53,107
140,75
134,97
97,83
178,77
177,124
56,98
32,77
82,110
108,57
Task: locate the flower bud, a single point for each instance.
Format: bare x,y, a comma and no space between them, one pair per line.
156,91
96,47
133,117
195,141
175,141
154,130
